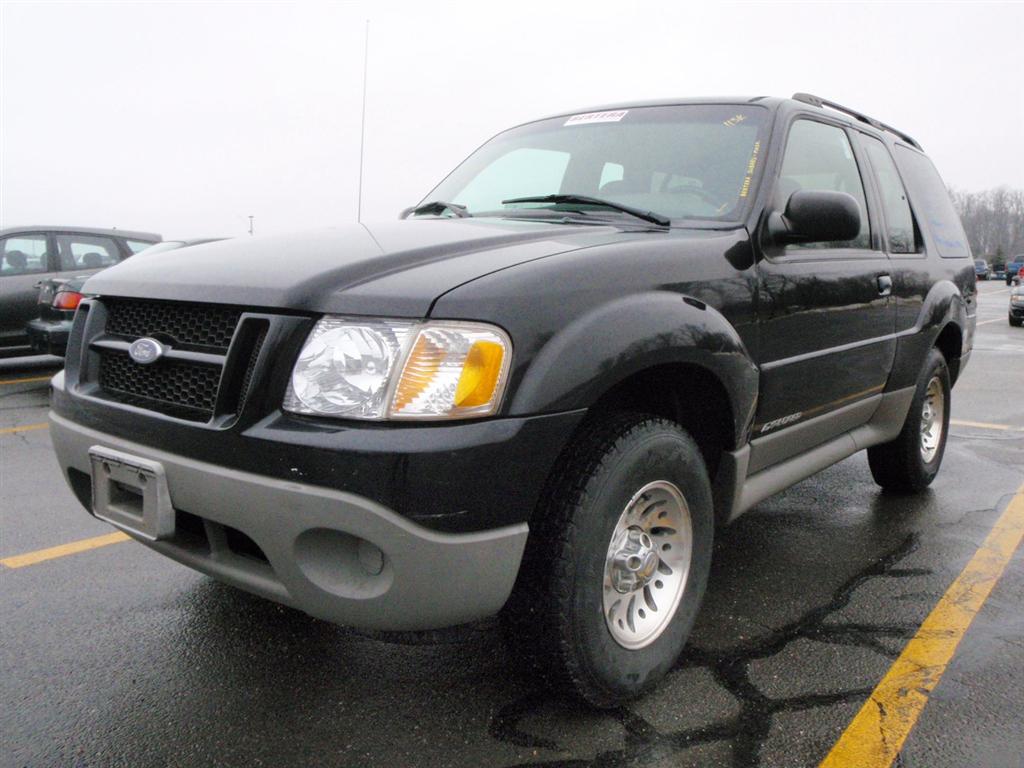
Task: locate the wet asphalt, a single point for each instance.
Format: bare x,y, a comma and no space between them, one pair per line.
119,657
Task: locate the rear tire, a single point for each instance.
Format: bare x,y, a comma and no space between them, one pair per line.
617,562
910,462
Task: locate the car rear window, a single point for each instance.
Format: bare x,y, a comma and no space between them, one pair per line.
931,202
138,245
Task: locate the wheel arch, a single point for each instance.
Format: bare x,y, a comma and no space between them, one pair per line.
642,345
686,393
950,342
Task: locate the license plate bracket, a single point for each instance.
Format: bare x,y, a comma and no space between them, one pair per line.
131,493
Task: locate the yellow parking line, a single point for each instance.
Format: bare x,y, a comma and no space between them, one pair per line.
985,425
22,428
876,734
40,555
26,381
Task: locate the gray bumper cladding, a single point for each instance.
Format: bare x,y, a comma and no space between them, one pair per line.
334,555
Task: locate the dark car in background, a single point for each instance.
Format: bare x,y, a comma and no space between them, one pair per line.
1013,268
981,269
59,298
31,254
1016,311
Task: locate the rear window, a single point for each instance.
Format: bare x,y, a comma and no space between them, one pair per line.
138,245
932,204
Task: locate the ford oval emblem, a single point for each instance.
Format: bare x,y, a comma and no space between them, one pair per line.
146,350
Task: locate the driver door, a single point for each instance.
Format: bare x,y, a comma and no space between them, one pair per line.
826,317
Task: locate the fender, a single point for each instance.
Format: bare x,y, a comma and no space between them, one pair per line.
943,304
617,339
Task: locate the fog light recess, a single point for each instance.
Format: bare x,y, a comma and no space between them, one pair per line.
343,564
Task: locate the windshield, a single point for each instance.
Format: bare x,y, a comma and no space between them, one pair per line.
684,162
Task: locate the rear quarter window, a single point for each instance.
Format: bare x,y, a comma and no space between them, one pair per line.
935,211
138,245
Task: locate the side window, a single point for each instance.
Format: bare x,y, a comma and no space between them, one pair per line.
137,245
87,251
819,158
899,220
520,173
931,201
23,255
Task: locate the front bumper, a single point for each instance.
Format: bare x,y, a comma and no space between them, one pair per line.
1017,311
48,337
333,554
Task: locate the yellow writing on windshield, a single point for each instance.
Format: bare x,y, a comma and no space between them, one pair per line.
745,189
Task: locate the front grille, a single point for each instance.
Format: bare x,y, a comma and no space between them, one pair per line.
179,388
199,325
250,368
209,368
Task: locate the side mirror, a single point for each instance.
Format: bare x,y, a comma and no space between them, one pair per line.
816,217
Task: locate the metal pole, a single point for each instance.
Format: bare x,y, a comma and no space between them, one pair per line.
362,127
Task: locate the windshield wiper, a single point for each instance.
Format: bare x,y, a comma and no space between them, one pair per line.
436,207
651,216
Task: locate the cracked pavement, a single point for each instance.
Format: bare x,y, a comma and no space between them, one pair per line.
119,657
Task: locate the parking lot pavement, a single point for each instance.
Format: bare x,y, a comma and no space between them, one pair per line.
115,656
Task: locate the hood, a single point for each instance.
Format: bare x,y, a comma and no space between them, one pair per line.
395,268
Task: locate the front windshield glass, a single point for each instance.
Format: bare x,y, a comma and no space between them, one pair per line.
684,162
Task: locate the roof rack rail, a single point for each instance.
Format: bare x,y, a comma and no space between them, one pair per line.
817,101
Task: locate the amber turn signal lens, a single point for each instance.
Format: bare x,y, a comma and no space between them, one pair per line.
480,374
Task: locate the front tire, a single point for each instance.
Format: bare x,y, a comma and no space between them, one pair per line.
618,559
909,463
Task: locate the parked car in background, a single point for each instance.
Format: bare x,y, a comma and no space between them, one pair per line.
31,254
1017,305
999,273
981,269
59,298
1013,268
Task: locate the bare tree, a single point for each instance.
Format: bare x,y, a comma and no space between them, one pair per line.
994,222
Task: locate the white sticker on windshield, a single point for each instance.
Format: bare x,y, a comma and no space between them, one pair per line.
597,117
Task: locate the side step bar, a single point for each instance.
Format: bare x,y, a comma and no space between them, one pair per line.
736,491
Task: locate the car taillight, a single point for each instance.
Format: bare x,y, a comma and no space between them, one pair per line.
67,300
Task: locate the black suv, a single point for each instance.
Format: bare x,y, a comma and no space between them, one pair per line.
603,335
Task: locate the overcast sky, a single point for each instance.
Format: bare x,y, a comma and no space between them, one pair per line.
185,118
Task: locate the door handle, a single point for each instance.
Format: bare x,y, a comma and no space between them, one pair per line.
884,285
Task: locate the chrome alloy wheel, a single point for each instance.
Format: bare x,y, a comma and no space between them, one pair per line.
647,564
933,415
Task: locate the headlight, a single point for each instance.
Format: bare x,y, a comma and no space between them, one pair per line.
382,369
